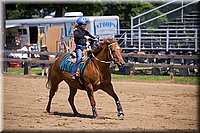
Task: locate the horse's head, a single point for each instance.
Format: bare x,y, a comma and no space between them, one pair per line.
115,52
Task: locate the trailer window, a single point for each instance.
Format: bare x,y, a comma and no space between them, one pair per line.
22,31
33,34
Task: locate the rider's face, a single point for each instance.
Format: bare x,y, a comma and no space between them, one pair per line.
84,26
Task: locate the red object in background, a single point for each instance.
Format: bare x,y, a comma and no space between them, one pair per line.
15,64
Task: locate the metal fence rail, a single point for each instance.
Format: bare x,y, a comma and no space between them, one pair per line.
160,39
171,36
164,14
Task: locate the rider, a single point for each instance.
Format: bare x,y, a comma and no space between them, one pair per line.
81,35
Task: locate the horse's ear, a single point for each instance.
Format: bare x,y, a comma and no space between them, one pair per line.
114,39
106,41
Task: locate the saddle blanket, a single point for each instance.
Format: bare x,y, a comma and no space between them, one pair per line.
67,65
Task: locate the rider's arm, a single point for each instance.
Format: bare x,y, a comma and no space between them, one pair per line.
88,34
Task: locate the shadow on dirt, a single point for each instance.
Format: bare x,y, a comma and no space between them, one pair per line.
71,115
80,115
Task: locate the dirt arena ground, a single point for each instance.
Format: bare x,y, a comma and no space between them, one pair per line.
147,107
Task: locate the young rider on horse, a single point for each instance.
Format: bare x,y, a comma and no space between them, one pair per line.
81,35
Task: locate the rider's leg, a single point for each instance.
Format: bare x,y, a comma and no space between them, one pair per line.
78,60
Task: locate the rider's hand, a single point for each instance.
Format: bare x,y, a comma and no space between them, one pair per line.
95,39
87,37
87,44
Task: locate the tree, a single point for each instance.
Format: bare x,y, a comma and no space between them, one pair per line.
123,10
22,11
92,9
126,10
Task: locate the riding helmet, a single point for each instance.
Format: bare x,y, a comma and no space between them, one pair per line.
82,20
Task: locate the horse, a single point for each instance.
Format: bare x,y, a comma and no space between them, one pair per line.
96,75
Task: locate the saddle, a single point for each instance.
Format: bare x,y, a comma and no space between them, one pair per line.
72,58
68,62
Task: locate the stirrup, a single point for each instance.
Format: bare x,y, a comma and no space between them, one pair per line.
77,74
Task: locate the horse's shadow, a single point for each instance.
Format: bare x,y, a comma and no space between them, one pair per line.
71,115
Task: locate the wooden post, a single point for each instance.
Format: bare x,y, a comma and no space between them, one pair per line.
172,69
171,74
132,70
5,66
25,68
29,68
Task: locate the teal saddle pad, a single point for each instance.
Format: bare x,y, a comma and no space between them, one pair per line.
68,66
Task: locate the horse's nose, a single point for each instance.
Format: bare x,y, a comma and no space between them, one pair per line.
122,63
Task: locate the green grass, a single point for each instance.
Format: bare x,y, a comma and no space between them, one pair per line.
151,77
139,77
187,79
20,71
177,79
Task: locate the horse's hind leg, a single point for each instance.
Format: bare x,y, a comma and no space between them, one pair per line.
110,91
73,92
54,88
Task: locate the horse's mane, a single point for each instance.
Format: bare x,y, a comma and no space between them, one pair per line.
103,44
109,41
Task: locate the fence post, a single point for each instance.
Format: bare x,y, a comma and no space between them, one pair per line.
167,41
125,39
25,68
139,42
196,40
171,74
182,12
171,69
131,30
29,69
132,70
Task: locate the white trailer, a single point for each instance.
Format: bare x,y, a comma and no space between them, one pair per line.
28,29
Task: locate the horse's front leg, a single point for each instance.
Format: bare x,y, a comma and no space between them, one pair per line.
109,89
90,93
119,109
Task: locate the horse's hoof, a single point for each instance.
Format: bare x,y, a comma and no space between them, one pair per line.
121,117
95,116
48,109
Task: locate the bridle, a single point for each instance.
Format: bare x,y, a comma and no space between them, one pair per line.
110,55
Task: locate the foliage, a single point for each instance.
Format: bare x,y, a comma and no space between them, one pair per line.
126,10
123,10
22,11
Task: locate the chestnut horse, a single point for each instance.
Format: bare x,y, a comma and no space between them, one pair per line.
95,76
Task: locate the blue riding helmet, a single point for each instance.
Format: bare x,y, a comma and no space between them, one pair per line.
82,20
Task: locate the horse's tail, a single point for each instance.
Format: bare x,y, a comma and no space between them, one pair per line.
48,84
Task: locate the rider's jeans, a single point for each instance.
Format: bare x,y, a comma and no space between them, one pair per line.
78,50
